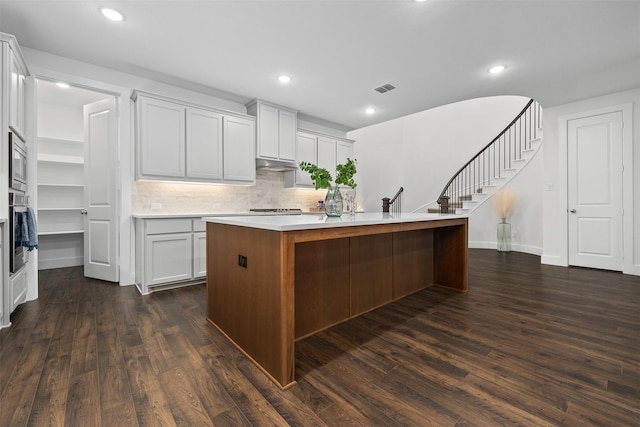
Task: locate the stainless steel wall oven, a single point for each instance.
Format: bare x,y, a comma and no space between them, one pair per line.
17,163
17,207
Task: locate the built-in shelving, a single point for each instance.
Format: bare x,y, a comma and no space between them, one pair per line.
60,202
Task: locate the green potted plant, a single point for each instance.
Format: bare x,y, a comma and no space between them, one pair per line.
322,179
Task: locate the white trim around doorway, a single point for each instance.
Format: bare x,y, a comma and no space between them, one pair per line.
125,164
627,181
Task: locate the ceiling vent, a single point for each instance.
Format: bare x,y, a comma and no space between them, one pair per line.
385,88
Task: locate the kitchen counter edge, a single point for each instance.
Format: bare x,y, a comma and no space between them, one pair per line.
318,221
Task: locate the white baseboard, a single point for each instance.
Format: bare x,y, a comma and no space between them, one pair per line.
553,260
515,248
635,270
47,264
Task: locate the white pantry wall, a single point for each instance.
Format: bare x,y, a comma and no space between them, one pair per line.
60,121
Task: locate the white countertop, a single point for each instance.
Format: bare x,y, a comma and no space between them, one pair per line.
308,222
196,215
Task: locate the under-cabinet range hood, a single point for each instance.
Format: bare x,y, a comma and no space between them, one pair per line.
276,165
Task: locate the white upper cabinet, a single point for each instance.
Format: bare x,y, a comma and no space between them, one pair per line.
307,152
161,127
327,154
183,142
344,151
287,130
268,132
323,150
239,152
276,133
204,150
16,95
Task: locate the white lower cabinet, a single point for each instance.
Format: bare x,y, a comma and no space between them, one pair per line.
199,254
170,252
168,258
18,289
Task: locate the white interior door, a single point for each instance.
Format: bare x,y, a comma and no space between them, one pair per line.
595,191
100,190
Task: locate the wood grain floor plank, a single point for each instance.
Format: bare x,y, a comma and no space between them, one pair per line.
528,345
83,400
151,403
17,401
249,401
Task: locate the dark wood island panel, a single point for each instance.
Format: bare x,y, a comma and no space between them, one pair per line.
298,282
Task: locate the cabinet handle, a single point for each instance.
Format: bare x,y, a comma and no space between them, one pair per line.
83,211
572,211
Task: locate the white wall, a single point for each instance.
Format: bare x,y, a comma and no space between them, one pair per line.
554,175
422,151
526,217
60,121
39,62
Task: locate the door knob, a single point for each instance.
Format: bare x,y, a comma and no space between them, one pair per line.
83,211
572,211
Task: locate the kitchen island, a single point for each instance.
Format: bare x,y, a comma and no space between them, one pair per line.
272,280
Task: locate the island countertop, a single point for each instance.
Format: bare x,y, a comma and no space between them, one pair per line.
318,221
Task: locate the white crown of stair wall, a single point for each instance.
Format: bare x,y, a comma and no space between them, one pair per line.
150,197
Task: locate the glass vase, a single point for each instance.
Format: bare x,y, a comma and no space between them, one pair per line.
349,201
504,236
333,202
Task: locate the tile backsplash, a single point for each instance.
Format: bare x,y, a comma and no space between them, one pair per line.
150,197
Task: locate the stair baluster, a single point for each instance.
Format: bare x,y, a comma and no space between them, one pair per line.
492,162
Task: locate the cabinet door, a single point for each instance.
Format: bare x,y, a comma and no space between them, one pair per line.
268,131
17,289
344,151
239,154
327,154
16,96
161,138
306,152
204,144
288,125
199,254
168,258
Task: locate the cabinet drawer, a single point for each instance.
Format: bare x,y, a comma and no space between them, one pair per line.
199,225
173,225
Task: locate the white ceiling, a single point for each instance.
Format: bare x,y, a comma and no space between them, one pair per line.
337,52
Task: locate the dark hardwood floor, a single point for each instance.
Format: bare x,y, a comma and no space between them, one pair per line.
529,345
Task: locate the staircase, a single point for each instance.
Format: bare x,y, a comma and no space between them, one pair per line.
495,165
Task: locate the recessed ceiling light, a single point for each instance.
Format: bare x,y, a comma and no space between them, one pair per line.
62,85
370,110
284,79
112,14
497,69
419,1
